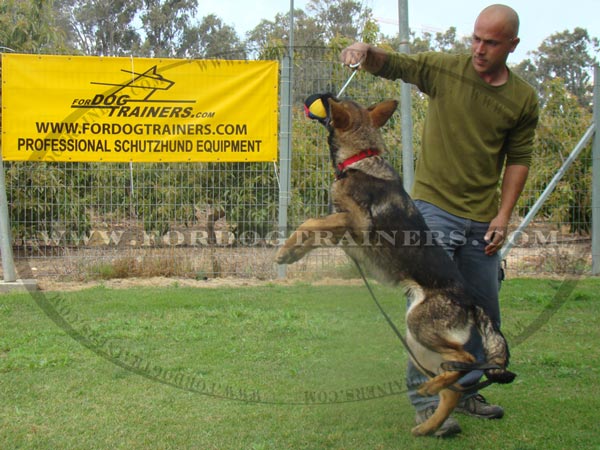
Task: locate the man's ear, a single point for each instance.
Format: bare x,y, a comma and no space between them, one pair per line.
515,42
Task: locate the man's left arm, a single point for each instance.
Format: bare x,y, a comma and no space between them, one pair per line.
520,144
513,182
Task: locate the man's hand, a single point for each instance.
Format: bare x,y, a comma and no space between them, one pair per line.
368,58
512,186
496,235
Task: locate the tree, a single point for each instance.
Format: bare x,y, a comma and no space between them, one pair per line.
569,56
563,121
101,27
347,18
326,23
210,39
447,42
528,71
450,43
165,23
307,32
30,27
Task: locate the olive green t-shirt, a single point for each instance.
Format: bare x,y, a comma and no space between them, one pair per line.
471,130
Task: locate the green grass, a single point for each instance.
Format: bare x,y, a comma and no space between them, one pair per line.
276,367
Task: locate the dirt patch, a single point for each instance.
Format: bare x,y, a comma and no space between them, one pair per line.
546,252
128,283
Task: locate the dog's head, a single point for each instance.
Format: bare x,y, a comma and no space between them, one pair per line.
352,128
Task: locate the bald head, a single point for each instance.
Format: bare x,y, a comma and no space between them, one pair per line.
495,36
501,17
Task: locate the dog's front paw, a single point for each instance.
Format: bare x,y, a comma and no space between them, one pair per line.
288,255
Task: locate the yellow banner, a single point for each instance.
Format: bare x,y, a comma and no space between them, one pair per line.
91,109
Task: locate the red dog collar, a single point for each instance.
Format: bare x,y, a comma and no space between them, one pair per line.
347,162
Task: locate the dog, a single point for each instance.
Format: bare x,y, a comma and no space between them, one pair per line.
379,226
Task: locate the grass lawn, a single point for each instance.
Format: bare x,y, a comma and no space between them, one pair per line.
277,367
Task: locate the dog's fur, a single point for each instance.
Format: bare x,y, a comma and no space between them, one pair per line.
373,221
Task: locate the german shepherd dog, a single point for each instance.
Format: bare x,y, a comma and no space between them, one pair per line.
372,216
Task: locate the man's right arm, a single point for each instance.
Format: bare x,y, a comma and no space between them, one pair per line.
370,58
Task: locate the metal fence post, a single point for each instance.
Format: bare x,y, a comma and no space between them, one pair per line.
596,177
405,102
8,263
285,137
285,151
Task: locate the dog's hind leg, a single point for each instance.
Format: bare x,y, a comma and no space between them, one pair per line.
496,348
448,401
438,383
446,378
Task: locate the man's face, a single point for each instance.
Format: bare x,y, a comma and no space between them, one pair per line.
490,45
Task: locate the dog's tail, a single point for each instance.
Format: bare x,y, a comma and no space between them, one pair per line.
496,348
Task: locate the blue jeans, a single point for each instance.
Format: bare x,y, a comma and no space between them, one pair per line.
463,241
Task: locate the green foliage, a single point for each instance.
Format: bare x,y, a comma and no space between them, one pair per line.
566,55
248,197
101,28
310,189
213,39
341,18
447,42
30,27
45,198
563,123
243,193
165,24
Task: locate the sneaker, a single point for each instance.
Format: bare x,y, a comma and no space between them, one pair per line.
477,406
450,427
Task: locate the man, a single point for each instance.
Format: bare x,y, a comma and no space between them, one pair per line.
481,119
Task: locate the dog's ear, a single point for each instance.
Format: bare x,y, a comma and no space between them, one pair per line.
381,112
339,115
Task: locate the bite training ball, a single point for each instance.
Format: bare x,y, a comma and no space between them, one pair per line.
316,109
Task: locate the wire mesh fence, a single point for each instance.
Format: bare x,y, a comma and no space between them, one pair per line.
79,221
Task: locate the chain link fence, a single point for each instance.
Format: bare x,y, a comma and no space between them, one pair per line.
82,221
